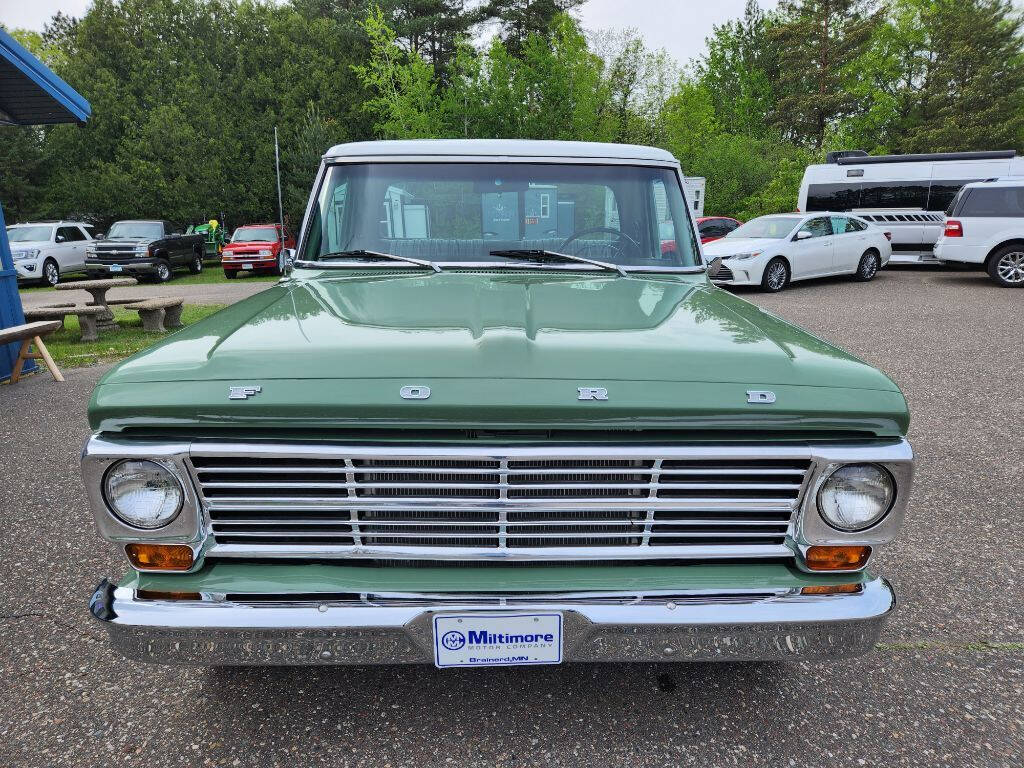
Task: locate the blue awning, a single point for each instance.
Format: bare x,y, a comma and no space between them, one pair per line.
30,94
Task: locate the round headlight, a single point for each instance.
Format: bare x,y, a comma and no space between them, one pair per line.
143,494
856,496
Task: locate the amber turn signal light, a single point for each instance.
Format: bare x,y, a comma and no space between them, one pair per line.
160,557
821,558
830,589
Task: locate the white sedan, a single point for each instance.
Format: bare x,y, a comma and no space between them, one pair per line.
771,251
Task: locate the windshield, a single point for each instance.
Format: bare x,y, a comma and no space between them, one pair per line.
254,235
148,230
28,234
773,227
464,212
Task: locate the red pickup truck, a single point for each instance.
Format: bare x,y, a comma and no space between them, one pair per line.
258,248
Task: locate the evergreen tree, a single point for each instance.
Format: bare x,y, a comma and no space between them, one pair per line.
520,19
432,28
818,45
972,89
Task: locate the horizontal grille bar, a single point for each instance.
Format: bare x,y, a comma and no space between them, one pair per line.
443,503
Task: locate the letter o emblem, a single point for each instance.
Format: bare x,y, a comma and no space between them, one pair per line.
414,393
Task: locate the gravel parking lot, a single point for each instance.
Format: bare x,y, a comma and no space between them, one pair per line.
946,687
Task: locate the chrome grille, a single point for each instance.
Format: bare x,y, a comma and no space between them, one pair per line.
524,503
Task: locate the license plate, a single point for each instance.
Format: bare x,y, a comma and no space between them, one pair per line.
116,268
497,639
247,266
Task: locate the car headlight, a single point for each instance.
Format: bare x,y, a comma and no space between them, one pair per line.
856,496
744,256
90,250
266,252
141,249
143,494
26,254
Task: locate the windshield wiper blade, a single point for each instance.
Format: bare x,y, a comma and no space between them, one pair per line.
363,253
545,255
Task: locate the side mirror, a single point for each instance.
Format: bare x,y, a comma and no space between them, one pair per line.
803,234
60,238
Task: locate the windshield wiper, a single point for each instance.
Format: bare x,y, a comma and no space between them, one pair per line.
362,253
544,255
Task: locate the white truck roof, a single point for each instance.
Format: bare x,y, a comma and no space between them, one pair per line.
498,148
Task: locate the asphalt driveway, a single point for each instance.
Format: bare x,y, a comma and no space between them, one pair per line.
946,687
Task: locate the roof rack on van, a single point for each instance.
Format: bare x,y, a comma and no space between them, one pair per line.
833,157
997,154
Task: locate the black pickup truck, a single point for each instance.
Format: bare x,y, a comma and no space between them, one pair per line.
145,249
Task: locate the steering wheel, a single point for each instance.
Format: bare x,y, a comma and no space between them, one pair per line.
603,230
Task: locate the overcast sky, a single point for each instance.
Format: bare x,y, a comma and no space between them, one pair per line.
679,26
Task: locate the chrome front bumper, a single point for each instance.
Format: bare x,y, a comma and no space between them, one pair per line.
207,632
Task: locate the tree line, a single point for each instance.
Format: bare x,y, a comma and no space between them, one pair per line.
186,94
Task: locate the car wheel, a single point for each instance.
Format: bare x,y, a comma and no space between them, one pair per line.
775,276
51,273
867,268
230,274
278,269
163,271
1006,266
196,265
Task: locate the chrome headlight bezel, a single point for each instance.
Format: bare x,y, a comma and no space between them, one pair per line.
25,254
895,457
885,503
158,468
100,454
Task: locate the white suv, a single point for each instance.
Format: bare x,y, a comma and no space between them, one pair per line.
44,251
985,226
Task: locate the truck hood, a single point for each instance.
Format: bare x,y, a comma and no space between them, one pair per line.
508,345
126,241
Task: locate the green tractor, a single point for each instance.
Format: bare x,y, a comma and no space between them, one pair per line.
215,236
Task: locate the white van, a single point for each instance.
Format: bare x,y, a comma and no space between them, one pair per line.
905,194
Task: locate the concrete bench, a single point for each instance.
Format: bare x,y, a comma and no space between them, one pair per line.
87,317
159,314
30,335
118,302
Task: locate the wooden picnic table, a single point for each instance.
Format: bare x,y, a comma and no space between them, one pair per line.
98,289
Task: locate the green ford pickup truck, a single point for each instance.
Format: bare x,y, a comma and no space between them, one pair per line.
495,414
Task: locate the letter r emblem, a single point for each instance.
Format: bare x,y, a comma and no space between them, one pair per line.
592,393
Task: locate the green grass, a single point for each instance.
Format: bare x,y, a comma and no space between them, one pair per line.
69,351
211,274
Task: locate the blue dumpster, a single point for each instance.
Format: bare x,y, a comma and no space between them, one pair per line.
30,94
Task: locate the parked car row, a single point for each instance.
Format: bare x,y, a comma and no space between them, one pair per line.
153,250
